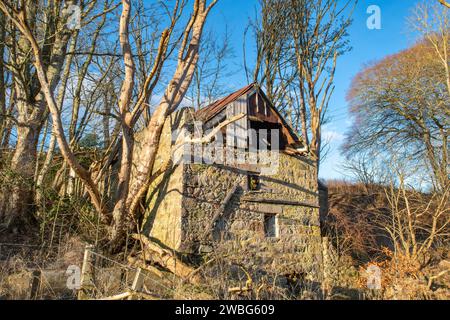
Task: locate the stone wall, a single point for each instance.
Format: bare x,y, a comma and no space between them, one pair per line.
162,220
239,232
183,204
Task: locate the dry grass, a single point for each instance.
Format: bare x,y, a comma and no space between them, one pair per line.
18,261
355,225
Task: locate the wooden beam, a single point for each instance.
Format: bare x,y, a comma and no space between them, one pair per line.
282,202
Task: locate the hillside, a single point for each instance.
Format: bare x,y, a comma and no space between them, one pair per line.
358,226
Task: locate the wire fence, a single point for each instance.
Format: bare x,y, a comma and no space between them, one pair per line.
105,278
8,250
26,272
33,271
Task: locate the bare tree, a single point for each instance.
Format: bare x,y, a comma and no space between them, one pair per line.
52,143
187,59
400,108
368,170
298,44
131,185
29,93
272,35
416,220
2,71
318,34
212,69
445,3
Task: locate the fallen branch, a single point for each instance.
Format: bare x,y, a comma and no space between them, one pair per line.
248,284
196,271
146,296
120,296
130,294
239,289
167,259
136,262
440,274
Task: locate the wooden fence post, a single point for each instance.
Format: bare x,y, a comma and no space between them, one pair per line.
35,284
326,267
86,281
138,282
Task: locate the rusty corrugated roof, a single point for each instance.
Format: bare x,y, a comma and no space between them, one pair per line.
214,108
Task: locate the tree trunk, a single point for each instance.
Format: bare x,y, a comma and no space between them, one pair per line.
135,182
23,164
316,132
2,72
31,104
105,121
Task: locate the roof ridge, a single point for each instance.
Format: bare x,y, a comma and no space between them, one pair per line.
205,113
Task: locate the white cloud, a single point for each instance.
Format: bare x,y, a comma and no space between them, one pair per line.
332,135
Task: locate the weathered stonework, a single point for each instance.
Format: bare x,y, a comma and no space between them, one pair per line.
185,212
296,248
163,216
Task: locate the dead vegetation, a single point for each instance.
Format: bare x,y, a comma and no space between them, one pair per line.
402,232
37,271
355,227
61,186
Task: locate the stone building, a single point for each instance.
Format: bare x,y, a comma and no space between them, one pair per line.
266,220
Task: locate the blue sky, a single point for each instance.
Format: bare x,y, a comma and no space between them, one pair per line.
368,46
